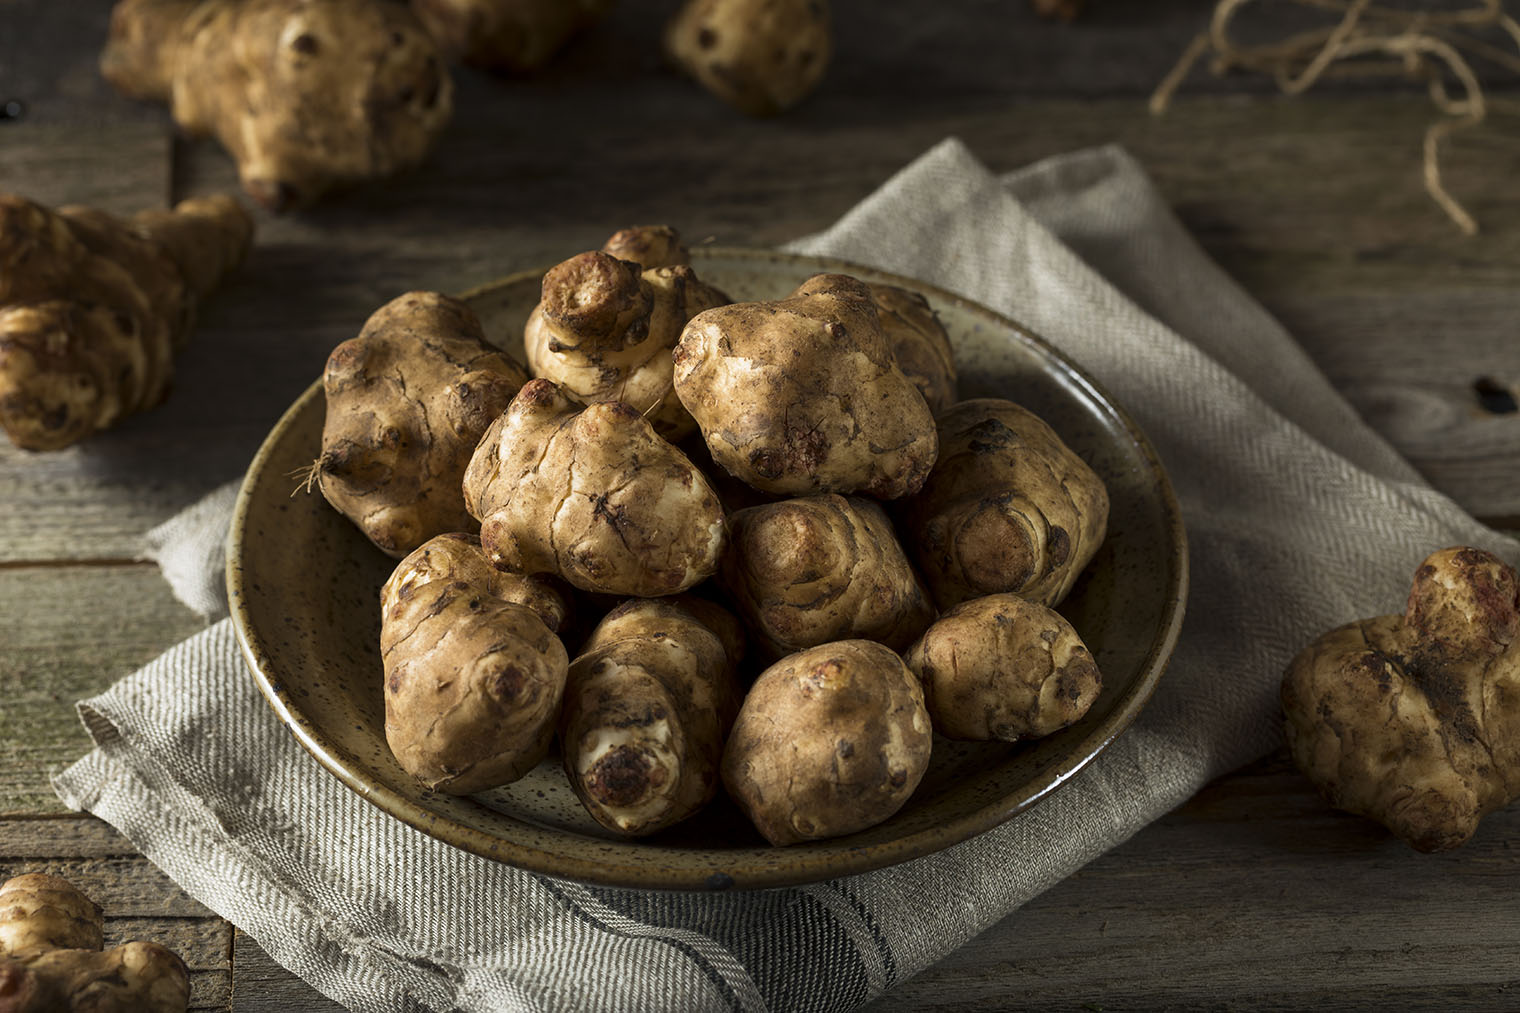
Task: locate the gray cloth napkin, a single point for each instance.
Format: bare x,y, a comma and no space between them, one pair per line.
1300,518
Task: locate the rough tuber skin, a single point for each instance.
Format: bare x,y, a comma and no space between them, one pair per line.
51,959
407,401
1008,507
93,308
306,95
1000,667
802,395
648,246
760,56
808,571
1414,720
919,343
506,36
474,673
649,702
594,495
828,741
605,328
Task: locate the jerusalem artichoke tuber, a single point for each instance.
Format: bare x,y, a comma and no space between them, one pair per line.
760,56
93,308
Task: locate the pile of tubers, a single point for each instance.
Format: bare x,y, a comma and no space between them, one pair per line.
797,555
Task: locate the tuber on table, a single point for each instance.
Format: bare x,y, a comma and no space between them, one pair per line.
649,702
93,308
1008,507
52,958
760,56
1001,667
604,328
1414,719
474,670
507,36
305,94
407,401
802,395
807,571
593,494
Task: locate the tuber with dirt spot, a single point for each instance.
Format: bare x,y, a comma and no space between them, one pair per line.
760,56
649,702
1414,719
474,670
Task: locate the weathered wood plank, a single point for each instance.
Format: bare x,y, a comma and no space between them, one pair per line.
61,164
70,632
263,986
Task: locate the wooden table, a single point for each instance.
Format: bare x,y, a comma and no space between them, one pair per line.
1255,894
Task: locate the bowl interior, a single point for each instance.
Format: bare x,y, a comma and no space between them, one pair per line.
305,586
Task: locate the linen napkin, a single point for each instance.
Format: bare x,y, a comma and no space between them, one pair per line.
1300,518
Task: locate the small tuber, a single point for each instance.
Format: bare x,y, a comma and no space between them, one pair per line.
474,673
1414,719
93,308
407,401
52,958
806,571
802,395
1000,667
593,494
829,741
760,56
649,702
605,328
1008,507
305,94
919,343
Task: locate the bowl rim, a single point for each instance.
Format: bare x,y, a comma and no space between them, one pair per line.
739,868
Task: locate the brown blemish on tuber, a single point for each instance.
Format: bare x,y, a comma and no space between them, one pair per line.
93,308
474,673
760,56
829,741
649,702
919,343
1414,720
802,395
1008,507
593,494
305,94
1001,667
807,571
407,401
604,328
51,958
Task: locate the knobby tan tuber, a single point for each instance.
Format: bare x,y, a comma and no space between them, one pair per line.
1000,667
807,571
802,395
93,308
508,36
1414,719
474,673
407,401
649,702
593,494
828,741
760,56
1008,507
305,94
52,961
605,329
648,246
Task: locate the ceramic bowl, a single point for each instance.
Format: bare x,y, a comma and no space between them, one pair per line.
304,586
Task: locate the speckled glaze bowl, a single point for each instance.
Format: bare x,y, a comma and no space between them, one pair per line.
304,586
